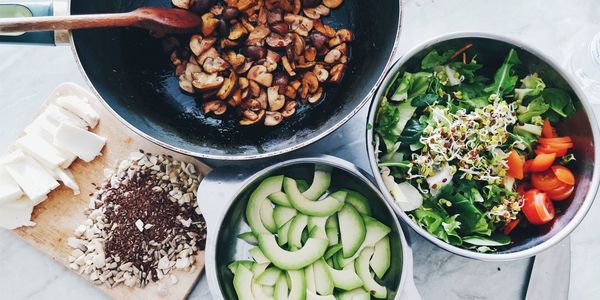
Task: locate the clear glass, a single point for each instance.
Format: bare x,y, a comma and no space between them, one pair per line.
585,65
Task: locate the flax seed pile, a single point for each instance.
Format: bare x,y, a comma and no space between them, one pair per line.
143,222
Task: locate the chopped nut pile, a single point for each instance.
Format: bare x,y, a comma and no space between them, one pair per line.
258,57
143,222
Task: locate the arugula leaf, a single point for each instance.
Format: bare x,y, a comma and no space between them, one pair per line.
504,82
535,108
424,100
412,131
560,102
434,59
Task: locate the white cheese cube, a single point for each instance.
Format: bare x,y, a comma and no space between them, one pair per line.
81,108
59,115
32,177
42,126
42,151
86,145
9,189
16,214
66,177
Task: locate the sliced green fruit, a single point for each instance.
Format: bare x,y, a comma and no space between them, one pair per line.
311,282
360,202
253,210
345,279
310,295
297,284
258,269
281,288
249,238
269,276
258,256
362,270
266,216
313,249
375,232
352,230
258,292
319,223
302,185
234,265
282,233
356,294
321,208
338,260
280,198
296,228
242,283
380,262
320,183
269,290
332,250
332,222
323,278
283,214
332,230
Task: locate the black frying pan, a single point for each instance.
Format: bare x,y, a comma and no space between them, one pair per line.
131,72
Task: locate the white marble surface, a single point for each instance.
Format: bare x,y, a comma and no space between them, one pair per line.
556,27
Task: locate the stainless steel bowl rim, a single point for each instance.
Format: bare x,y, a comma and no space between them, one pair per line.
312,140
211,242
564,232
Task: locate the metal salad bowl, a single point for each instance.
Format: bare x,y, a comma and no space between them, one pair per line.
581,126
229,190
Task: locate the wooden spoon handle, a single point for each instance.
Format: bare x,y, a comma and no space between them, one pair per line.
32,24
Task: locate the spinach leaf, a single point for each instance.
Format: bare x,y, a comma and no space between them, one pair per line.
412,131
424,100
467,70
560,102
436,221
491,241
535,108
504,81
434,59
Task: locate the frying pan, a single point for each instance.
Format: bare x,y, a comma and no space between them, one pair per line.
129,70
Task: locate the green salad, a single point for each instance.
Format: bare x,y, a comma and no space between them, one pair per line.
444,132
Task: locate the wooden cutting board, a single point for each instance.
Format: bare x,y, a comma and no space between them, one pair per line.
62,212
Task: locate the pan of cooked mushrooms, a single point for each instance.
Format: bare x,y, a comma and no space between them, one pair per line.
258,78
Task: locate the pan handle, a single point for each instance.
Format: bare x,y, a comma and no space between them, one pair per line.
33,8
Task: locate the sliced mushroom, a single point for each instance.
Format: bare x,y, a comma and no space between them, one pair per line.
214,65
180,69
260,32
287,66
310,84
251,117
236,98
185,4
262,99
332,3
332,56
298,44
212,52
234,59
310,54
321,73
217,10
336,73
291,92
175,60
285,5
276,40
305,65
289,109
228,86
186,84
281,28
326,30
318,39
343,48
297,6
345,35
217,107
245,4
314,98
243,83
244,68
209,24
296,84
254,88
299,24
276,101
273,118
270,65
274,56
251,104
203,81
190,69
237,32
247,24
197,46
227,43
259,74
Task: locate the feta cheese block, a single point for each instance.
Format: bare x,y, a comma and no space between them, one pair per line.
66,177
16,214
80,107
32,177
86,145
42,151
59,115
42,127
9,189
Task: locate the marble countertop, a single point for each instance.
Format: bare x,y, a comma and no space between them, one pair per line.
555,27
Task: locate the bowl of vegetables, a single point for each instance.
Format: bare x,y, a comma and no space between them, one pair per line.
484,146
305,229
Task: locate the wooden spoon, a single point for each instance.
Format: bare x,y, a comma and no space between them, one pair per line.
157,20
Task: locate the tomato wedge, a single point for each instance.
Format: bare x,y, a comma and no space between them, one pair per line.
561,193
542,162
527,166
511,226
545,181
555,140
563,174
515,165
538,208
547,149
547,130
